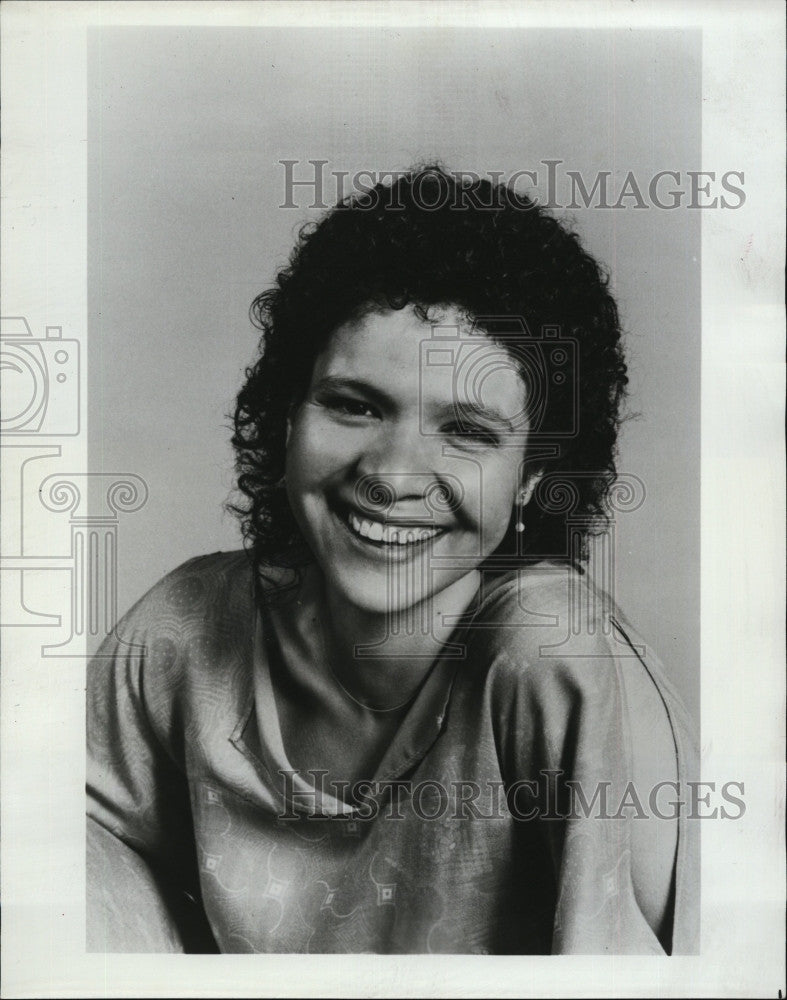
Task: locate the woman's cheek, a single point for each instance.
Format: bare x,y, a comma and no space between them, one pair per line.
497,497
324,451
310,438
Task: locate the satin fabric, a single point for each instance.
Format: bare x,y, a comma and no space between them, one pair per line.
202,838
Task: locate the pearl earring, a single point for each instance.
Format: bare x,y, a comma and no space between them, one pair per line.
520,526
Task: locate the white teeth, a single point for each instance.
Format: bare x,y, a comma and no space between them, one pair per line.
389,534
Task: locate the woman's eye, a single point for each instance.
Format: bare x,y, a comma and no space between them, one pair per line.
473,434
345,406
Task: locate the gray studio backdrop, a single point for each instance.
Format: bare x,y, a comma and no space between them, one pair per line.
186,131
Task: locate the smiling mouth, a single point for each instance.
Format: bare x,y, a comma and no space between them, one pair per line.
388,535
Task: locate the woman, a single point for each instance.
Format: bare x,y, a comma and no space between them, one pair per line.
408,722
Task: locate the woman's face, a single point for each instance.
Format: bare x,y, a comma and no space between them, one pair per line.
404,460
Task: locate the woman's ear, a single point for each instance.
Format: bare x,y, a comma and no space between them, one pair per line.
528,486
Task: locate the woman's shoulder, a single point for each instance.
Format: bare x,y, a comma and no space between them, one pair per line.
548,625
543,608
539,585
190,632
204,573
202,593
201,613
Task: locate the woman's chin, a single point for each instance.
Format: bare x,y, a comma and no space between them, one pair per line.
371,594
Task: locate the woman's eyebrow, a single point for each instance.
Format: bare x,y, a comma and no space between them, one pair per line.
338,383
468,409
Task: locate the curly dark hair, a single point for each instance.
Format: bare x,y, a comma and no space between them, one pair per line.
431,239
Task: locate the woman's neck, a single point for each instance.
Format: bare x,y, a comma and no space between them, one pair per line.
380,658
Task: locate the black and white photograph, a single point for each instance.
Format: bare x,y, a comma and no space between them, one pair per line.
392,457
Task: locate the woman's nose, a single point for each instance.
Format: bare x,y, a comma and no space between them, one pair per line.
402,456
401,472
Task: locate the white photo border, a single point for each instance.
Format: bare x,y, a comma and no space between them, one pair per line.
44,253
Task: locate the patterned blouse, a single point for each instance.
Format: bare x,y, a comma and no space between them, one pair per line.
498,821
